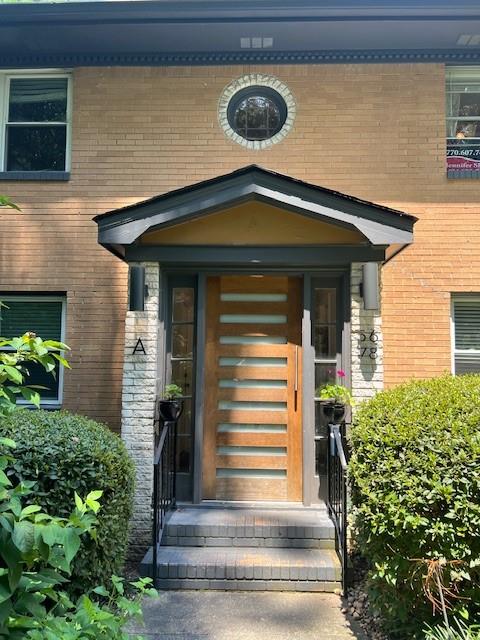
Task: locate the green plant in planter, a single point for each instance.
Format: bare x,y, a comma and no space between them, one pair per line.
336,393
171,406
172,392
335,397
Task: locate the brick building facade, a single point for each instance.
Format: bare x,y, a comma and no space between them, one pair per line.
376,132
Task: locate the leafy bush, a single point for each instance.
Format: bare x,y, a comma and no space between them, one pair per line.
415,486
36,552
63,454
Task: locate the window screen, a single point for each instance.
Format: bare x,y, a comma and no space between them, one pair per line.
44,317
466,321
36,124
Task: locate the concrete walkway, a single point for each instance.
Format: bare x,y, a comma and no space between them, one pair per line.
219,615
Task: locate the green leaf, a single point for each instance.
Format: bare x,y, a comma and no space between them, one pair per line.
118,584
14,575
23,536
4,479
62,360
53,534
5,589
71,544
5,611
94,495
101,591
78,502
6,202
32,508
14,374
30,395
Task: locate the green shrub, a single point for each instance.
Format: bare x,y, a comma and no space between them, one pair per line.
63,454
415,486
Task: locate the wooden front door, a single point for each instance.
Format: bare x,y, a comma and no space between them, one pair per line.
252,447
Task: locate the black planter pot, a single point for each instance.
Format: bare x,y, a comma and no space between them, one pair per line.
333,411
338,412
327,409
170,410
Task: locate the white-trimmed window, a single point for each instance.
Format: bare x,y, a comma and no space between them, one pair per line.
35,119
463,119
45,315
466,334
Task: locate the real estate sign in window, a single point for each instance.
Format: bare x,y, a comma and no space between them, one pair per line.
463,119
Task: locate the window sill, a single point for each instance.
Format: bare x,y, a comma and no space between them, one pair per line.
462,175
43,406
60,176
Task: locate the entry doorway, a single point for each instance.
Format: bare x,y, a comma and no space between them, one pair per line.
253,428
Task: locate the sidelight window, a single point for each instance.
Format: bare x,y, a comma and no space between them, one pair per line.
181,371
326,332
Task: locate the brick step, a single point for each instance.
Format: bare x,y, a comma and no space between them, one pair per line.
211,527
245,568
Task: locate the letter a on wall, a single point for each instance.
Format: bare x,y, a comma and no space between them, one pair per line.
139,348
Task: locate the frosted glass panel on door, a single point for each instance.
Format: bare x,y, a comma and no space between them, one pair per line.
253,362
232,405
252,384
250,318
253,297
251,451
253,340
251,473
230,427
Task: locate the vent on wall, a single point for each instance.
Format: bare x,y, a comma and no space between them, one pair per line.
256,43
466,40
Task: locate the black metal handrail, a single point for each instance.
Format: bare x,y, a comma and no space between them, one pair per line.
337,492
164,485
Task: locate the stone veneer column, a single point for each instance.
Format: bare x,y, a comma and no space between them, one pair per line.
367,341
138,405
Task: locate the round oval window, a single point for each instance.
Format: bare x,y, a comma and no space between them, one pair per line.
257,113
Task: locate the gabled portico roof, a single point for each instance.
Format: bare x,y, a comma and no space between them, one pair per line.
381,226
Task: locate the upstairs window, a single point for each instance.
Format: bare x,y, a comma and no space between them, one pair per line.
45,315
463,121
35,123
466,334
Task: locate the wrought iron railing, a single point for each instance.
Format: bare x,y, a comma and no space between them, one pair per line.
164,484
337,492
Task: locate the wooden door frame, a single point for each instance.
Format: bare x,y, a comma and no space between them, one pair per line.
308,382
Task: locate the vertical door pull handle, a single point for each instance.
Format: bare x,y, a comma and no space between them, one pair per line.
296,368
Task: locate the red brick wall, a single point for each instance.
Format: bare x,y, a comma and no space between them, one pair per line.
375,131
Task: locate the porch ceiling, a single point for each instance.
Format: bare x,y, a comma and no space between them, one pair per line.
380,226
